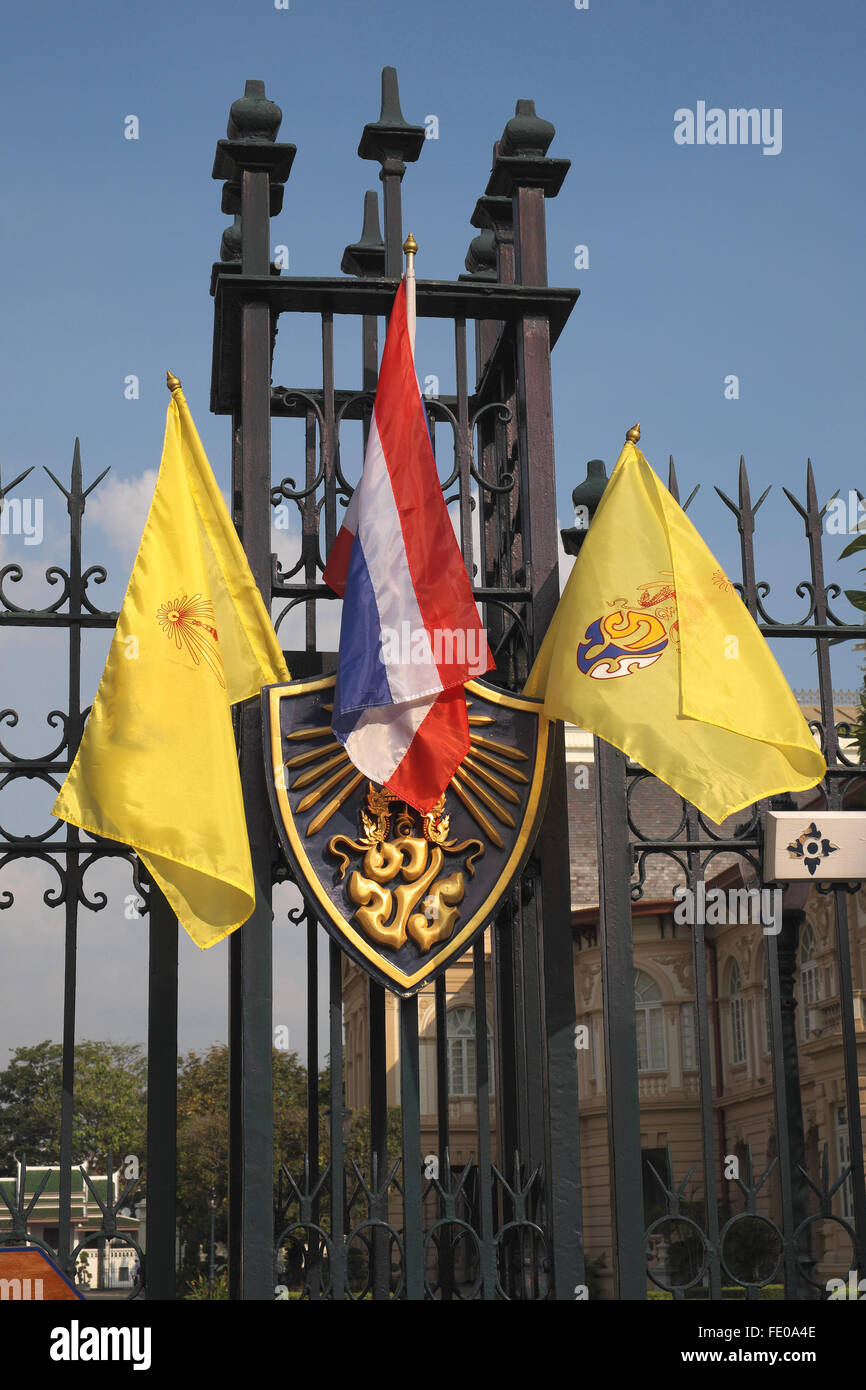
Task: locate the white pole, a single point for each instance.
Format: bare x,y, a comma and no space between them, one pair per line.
410,246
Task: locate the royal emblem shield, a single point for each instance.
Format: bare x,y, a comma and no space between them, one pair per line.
405,894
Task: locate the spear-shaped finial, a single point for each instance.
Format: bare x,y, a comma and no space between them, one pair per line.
633,435
172,382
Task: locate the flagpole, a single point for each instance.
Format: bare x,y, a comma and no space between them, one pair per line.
410,246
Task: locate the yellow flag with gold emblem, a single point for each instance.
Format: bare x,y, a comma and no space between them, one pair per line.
157,766
652,649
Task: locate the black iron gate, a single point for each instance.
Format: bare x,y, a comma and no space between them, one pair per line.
524,1231
628,840
505,1220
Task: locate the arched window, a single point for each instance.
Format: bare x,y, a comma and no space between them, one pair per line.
650,1023
461,1052
738,1029
809,993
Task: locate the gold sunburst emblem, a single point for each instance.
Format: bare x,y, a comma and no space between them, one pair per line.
721,581
486,785
189,622
404,893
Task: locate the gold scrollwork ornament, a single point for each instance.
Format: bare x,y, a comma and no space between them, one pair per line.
416,860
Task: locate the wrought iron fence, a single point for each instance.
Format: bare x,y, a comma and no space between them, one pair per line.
507,1221
698,848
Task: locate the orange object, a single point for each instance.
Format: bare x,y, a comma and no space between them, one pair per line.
29,1276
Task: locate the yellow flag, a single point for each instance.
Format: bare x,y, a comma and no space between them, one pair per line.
157,767
652,649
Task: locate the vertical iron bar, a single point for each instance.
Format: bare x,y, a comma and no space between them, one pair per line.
161,1099
251,1154
442,1096
834,802
370,365
482,1092
794,1152
391,180
313,1046
381,1273
516,1159
504,1015
462,447
783,1038
517,1003
825,680
540,542
535,1095
444,1250
413,1253
852,1093
310,527
67,1080
843,946
620,1035
329,437
314,1275
781,956
338,1153
75,728
557,946
702,1020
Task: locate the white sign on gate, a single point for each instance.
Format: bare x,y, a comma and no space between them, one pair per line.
817,845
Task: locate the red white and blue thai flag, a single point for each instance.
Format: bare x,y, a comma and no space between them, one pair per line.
410,635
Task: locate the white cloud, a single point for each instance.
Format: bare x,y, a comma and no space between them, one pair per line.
286,534
119,508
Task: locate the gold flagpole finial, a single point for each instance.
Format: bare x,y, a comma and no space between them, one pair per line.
172,382
633,435
410,246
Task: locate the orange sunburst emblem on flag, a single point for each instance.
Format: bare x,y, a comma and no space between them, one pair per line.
190,622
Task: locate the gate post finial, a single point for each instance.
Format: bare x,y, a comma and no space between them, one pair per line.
392,142
481,257
585,498
367,256
253,117
524,172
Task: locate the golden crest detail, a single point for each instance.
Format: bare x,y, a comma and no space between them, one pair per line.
403,893
412,863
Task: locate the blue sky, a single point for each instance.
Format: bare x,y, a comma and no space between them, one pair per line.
704,261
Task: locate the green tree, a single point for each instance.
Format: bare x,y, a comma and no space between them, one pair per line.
358,1143
357,1131
203,1136
108,1102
